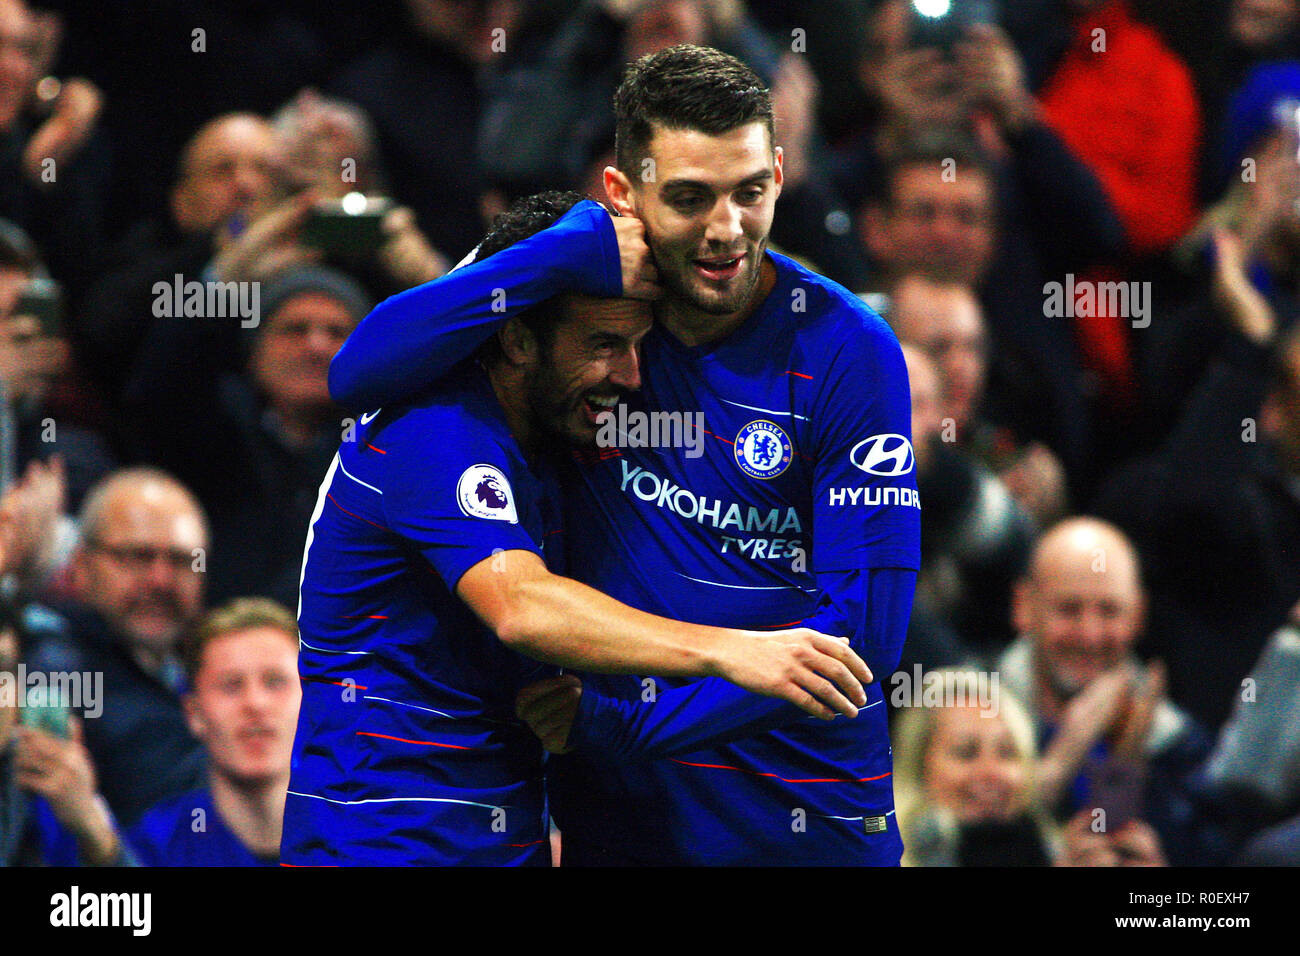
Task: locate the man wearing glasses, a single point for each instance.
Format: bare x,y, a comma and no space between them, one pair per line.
137,588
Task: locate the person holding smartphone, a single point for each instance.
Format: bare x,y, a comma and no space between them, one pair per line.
51,812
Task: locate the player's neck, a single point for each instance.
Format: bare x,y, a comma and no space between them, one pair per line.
694,327
509,386
254,813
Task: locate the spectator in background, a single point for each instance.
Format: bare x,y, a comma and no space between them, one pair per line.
1214,509
946,320
327,146
224,182
931,639
1095,709
238,215
975,539
1046,213
1126,104
243,707
254,445
51,813
964,779
138,589
1254,771
937,213
53,163
42,402
1133,843
1258,31
1259,208
424,92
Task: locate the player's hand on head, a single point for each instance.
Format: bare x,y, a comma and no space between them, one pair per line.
816,673
549,707
640,277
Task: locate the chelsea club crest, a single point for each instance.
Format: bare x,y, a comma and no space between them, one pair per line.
763,449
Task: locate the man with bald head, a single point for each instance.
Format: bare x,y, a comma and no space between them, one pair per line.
1097,710
225,169
223,184
137,577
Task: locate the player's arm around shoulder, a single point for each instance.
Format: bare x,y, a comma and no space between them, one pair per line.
412,339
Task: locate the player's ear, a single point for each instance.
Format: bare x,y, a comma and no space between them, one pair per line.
778,168
619,190
518,343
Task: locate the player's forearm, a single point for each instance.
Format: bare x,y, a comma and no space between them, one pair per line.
412,339
872,608
705,713
563,622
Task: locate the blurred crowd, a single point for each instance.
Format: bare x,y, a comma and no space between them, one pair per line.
1081,218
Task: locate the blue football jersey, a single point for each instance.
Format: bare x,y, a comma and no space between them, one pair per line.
801,510
188,831
407,749
807,471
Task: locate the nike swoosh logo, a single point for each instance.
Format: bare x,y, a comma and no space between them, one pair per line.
369,417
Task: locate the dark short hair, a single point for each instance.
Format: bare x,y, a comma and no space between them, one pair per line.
685,87
524,218
930,147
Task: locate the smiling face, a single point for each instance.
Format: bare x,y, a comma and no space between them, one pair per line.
590,362
973,767
1082,604
707,209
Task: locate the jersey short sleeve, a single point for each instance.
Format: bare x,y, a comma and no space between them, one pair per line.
454,490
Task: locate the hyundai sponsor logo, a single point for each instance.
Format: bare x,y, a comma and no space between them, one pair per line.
886,455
